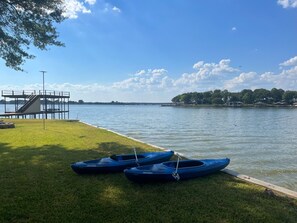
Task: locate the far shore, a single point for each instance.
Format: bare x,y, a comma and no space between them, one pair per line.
230,106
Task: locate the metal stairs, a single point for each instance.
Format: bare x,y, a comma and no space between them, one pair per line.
31,99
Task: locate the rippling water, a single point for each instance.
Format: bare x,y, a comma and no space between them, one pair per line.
261,142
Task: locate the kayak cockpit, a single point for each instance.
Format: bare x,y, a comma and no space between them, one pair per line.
184,163
126,157
92,161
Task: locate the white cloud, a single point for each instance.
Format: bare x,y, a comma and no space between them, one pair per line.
116,9
91,2
158,85
73,7
198,65
205,71
139,73
287,79
159,80
150,79
287,3
208,69
268,76
290,62
234,28
241,81
112,8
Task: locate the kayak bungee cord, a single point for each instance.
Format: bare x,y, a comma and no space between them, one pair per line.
136,158
175,174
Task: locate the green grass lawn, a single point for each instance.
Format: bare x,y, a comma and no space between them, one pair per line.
38,185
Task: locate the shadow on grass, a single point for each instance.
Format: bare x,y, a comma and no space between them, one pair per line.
38,185
110,148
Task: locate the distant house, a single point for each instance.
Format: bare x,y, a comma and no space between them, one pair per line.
280,103
295,104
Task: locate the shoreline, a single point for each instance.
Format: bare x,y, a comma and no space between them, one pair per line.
282,190
227,106
30,153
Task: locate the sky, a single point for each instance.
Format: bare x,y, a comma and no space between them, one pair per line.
152,50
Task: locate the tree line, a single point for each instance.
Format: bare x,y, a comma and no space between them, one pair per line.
246,96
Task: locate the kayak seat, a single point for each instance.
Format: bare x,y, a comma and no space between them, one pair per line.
126,157
185,163
115,157
131,157
192,163
92,161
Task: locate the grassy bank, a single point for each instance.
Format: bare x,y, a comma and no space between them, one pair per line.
38,185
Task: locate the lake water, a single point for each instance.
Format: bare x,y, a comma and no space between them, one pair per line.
261,142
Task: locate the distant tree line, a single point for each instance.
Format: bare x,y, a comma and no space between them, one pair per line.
246,96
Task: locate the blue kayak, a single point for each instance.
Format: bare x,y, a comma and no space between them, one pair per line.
175,170
117,163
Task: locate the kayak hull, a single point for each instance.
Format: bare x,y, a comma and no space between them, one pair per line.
118,163
187,169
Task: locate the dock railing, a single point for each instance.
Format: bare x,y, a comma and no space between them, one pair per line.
26,93
54,93
6,93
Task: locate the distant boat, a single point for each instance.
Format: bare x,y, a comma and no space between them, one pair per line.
117,163
175,170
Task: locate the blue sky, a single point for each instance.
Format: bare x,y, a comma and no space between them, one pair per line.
152,50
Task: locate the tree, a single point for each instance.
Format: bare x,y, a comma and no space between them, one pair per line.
24,23
207,97
288,96
176,99
216,94
225,94
197,97
277,94
234,97
186,98
247,96
261,94
216,97
217,101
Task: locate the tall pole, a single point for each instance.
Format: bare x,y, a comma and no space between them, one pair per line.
43,92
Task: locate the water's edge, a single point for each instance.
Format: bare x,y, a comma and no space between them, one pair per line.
282,190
